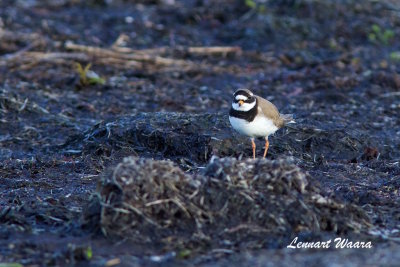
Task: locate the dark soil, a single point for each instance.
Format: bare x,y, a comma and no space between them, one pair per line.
64,140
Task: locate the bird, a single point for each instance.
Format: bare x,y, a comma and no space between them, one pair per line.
254,116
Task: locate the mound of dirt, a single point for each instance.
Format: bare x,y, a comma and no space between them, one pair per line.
231,202
191,138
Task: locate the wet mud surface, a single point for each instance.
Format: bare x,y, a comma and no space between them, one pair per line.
141,167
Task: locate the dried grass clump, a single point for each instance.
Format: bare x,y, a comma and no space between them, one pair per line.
281,198
145,194
255,175
230,200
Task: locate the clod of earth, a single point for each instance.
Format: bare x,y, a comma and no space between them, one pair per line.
231,202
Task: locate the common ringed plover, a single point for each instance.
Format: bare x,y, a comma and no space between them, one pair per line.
255,116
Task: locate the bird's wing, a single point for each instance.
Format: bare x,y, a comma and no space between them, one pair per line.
267,108
270,111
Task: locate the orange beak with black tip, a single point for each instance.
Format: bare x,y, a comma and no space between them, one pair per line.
240,103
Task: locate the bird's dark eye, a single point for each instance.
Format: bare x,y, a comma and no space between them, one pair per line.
249,100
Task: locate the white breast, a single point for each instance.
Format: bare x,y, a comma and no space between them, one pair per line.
259,127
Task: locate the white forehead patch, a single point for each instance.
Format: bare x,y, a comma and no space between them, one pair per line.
241,97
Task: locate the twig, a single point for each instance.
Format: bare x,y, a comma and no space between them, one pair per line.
140,57
30,59
251,227
207,50
214,50
138,212
175,201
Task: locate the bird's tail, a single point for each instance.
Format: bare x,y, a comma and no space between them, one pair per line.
288,118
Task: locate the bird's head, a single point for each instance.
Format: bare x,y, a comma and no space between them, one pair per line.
243,100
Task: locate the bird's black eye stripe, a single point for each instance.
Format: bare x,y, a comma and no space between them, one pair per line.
248,100
237,100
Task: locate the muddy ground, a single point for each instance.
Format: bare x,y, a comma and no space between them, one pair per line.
156,96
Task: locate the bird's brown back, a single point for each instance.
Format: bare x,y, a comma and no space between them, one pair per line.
270,111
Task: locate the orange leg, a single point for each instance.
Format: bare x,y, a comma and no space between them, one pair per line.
266,147
253,145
